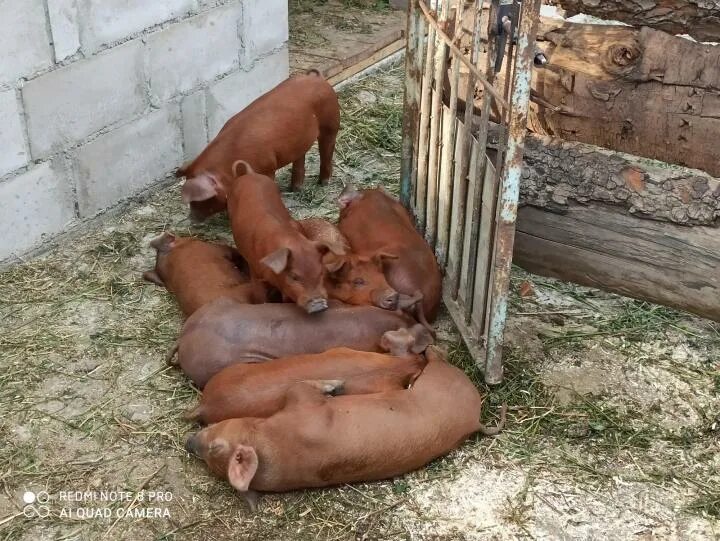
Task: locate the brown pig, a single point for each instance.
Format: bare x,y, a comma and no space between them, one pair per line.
227,332
317,441
199,272
372,221
272,243
259,389
276,129
351,278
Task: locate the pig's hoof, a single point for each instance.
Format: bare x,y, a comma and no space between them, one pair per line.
334,387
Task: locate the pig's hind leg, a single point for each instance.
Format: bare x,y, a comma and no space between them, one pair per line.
326,147
297,177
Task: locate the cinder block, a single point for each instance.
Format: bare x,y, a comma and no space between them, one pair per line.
264,28
36,204
65,27
124,161
12,142
236,91
108,21
194,122
25,41
66,105
192,52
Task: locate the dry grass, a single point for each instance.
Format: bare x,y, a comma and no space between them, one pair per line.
613,429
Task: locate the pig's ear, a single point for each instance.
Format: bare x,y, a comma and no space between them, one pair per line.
242,467
164,243
154,277
325,247
396,342
333,262
278,260
200,188
422,338
348,195
380,257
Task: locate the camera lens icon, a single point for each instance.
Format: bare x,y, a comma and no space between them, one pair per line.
41,498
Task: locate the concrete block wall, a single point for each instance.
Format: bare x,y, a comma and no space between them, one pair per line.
102,100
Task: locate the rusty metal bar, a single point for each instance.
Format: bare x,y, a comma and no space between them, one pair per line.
480,163
510,189
448,40
435,121
411,106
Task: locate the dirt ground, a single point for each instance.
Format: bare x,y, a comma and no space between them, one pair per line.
613,430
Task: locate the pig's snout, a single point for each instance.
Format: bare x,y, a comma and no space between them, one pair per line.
318,304
387,299
192,444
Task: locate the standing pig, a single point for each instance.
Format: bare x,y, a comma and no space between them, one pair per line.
318,441
198,273
351,278
226,332
372,221
272,242
276,129
260,389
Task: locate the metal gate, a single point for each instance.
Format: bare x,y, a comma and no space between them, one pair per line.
468,69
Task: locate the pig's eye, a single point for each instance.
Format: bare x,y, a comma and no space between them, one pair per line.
358,282
292,276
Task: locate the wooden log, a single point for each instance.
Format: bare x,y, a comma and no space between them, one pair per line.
643,92
580,222
698,18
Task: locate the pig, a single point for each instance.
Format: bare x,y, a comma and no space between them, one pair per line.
272,242
226,332
351,278
372,221
276,129
199,272
317,441
259,389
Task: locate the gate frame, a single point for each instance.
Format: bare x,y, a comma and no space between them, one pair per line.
426,149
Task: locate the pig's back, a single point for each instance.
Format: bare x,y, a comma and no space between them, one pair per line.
225,332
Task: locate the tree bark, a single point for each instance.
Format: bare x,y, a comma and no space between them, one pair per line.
638,91
579,221
698,18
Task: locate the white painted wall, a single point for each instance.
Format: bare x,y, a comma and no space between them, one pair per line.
100,100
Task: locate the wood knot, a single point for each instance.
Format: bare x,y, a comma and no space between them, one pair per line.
620,58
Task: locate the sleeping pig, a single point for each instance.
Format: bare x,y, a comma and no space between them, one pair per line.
317,441
259,389
226,332
351,278
199,272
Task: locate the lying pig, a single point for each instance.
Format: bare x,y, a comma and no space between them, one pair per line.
226,332
316,441
272,242
276,129
259,389
373,221
198,272
351,278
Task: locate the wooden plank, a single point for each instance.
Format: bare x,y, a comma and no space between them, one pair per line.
602,246
374,58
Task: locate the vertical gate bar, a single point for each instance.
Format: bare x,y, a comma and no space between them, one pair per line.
411,105
421,192
484,248
481,159
445,198
435,123
510,188
422,28
462,158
